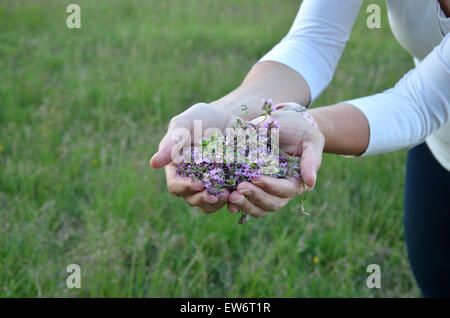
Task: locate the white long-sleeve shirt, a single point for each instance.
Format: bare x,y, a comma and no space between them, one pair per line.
405,115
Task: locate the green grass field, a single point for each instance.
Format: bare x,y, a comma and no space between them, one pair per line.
82,111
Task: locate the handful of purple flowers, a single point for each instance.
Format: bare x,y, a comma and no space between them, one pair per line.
248,150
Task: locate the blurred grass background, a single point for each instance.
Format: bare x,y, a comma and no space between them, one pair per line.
82,111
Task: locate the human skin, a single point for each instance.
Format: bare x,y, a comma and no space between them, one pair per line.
445,6
342,129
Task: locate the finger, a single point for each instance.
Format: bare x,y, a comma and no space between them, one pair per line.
164,155
224,195
200,198
310,163
181,186
205,202
233,208
178,127
258,197
283,188
246,206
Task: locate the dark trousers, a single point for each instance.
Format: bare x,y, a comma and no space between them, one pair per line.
427,221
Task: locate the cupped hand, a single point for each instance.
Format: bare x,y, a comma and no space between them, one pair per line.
266,194
191,191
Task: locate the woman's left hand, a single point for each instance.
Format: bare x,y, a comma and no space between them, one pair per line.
264,194
297,137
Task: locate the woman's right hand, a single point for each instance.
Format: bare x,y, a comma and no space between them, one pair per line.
192,192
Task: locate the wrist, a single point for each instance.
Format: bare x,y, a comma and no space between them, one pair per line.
345,128
300,109
324,124
223,105
234,106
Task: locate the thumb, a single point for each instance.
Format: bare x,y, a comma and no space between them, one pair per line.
310,161
177,128
163,156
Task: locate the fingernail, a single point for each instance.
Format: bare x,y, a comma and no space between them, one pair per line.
314,177
244,191
239,201
256,181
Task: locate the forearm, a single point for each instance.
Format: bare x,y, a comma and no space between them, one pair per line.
265,80
345,128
